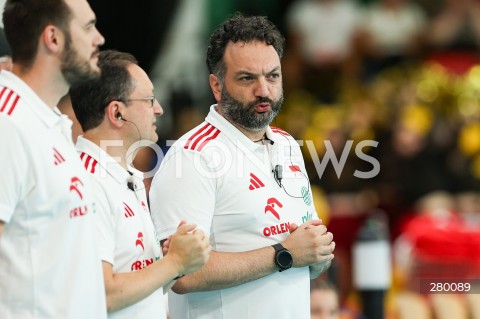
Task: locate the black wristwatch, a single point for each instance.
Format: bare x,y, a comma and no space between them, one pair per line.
283,258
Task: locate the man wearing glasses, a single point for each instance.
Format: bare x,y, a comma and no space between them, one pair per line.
115,112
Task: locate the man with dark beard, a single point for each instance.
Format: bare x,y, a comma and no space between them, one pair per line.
244,184
49,266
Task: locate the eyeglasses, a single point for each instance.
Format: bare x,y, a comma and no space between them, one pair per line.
152,100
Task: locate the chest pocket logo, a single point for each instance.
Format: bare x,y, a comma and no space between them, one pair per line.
271,203
75,185
139,241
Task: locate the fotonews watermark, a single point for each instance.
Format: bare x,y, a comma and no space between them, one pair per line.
218,158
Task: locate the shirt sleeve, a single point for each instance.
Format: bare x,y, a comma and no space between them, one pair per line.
183,189
15,177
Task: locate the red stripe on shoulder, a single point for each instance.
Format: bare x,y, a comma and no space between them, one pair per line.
14,104
10,101
89,162
279,131
94,165
196,134
212,137
1,95
200,137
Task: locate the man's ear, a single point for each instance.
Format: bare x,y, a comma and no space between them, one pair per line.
216,87
112,112
53,39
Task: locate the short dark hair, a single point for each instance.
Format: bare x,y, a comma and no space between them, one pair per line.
89,99
24,22
318,284
244,29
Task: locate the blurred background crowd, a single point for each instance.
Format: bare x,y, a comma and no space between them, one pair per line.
403,73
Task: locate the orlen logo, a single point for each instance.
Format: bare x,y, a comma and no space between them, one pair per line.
140,264
271,207
75,184
75,187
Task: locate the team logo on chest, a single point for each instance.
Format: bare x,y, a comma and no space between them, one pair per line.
272,203
255,182
273,206
76,186
57,157
139,241
128,210
142,263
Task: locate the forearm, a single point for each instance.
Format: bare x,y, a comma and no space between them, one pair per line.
225,270
2,225
126,289
308,244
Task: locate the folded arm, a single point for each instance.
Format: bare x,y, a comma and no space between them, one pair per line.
309,244
125,289
189,250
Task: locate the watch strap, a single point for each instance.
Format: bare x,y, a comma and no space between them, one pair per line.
278,247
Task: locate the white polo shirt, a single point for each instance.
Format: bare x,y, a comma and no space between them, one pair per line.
49,266
126,237
215,177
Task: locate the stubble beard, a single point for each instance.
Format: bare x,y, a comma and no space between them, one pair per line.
74,70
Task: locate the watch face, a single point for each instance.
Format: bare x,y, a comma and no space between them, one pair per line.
284,259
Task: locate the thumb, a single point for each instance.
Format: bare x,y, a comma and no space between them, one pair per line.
185,228
182,222
293,227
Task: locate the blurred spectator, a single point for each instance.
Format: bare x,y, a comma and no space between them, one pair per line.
438,243
457,26
324,302
411,305
218,10
412,165
454,35
321,45
392,31
435,231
